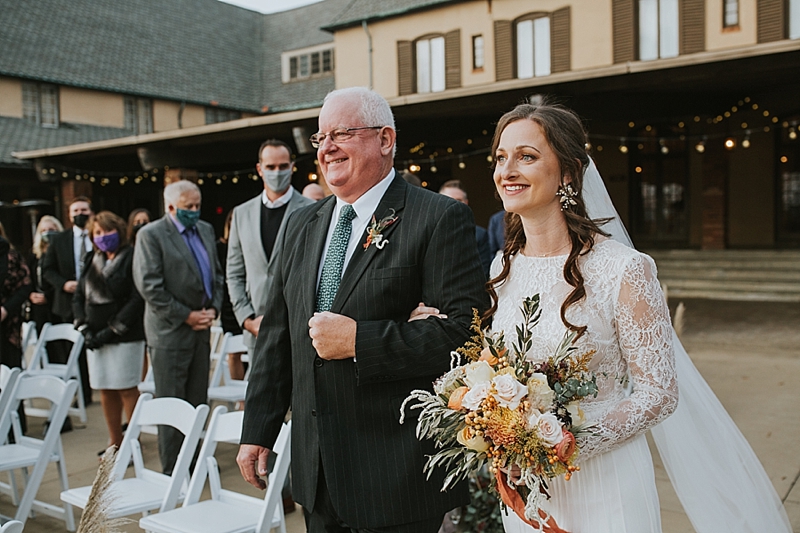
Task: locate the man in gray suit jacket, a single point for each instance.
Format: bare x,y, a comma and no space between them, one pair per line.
177,272
335,341
256,230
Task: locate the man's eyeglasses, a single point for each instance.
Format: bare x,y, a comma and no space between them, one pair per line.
339,135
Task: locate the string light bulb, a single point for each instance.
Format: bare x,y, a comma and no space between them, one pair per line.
730,143
746,142
700,147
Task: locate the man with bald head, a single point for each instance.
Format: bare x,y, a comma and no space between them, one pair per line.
336,343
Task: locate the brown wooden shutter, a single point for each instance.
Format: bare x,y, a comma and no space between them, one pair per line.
771,20
693,26
503,50
452,59
405,68
560,51
624,26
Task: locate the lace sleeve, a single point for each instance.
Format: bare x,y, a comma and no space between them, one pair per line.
644,331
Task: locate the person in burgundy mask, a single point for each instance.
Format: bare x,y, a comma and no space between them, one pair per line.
109,312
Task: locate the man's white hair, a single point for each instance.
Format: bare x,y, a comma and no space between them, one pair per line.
176,189
374,109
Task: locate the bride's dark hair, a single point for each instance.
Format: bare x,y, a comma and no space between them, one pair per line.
567,138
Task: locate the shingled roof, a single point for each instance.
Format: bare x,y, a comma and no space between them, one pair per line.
17,135
370,10
187,50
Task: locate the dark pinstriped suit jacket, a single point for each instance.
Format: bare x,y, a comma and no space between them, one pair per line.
347,412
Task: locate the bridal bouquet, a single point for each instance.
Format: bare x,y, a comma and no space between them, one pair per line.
502,409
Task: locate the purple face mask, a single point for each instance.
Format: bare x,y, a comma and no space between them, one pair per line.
108,242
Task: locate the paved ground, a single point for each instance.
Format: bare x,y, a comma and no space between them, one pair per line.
748,352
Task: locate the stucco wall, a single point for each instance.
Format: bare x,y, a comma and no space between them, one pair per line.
718,38
10,97
84,106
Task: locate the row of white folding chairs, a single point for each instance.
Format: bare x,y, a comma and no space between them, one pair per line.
30,455
150,491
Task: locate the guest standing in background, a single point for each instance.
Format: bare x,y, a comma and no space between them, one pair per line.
136,221
109,312
42,294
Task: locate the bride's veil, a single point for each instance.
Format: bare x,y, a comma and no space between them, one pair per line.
716,475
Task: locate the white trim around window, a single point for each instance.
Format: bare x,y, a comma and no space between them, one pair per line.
305,63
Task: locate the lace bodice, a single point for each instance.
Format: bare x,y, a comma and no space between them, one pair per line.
627,324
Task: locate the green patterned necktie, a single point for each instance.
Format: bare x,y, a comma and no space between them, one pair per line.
334,259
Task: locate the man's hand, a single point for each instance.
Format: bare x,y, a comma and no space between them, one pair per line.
252,461
422,311
3,314
252,324
333,336
70,286
200,320
37,298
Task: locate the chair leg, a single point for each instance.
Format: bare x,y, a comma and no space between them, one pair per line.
69,517
12,484
81,404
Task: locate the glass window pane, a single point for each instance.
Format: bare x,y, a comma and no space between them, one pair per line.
477,51
648,29
437,64
303,71
315,63
130,114
327,61
794,19
668,27
525,49
30,102
541,47
144,118
292,68
731,15
423,66
48,102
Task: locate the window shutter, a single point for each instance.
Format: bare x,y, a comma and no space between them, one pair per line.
771,17
452,59
624,23
560,50
693,26
405,68
503,50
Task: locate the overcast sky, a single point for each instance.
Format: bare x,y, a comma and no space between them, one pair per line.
270,6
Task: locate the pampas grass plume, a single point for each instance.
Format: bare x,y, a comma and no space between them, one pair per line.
95,515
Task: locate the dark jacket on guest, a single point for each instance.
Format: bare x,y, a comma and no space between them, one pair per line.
110,300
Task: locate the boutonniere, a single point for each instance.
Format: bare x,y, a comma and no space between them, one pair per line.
376,229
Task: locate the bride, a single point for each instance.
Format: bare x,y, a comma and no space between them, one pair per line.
592,281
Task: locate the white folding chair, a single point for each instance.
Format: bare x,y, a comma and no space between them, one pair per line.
12,526
227,511
221,386
29,452
41,365
148,385
29,338
149,490
8,378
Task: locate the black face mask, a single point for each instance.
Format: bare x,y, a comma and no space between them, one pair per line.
47,235
80,220
137,227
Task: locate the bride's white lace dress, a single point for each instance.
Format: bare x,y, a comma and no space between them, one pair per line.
629,327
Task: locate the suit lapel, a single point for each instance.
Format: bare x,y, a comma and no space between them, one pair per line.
393,200
315,234
179,244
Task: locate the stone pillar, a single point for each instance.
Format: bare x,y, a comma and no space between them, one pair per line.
71,189
715,174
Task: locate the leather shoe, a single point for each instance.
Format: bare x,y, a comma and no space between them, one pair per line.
288,505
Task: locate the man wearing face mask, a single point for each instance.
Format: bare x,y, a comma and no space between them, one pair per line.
177,272
61,268
250,251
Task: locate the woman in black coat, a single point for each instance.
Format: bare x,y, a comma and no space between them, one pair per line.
109,312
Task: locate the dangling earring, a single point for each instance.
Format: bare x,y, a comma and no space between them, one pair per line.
566,195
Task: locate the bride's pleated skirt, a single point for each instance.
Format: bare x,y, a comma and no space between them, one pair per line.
614,492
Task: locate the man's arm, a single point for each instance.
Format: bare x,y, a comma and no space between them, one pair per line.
236,275
148,275
453,282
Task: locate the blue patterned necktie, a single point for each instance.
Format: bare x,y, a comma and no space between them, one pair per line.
334,259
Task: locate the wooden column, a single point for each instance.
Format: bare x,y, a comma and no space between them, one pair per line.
715,177
71,189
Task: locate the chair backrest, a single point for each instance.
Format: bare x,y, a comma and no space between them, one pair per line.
57,332
215,338
12,526
222,372
273,498
223,427
29,338
173,412
8,378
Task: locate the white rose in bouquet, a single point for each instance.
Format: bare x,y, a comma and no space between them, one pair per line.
477,372
533,419
576,413
540,394
476,443
550,429
509,391
472,400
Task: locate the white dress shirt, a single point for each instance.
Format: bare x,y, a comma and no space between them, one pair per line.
364,207
76,247
280,201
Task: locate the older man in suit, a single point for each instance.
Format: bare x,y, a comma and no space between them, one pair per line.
177,272
335,341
